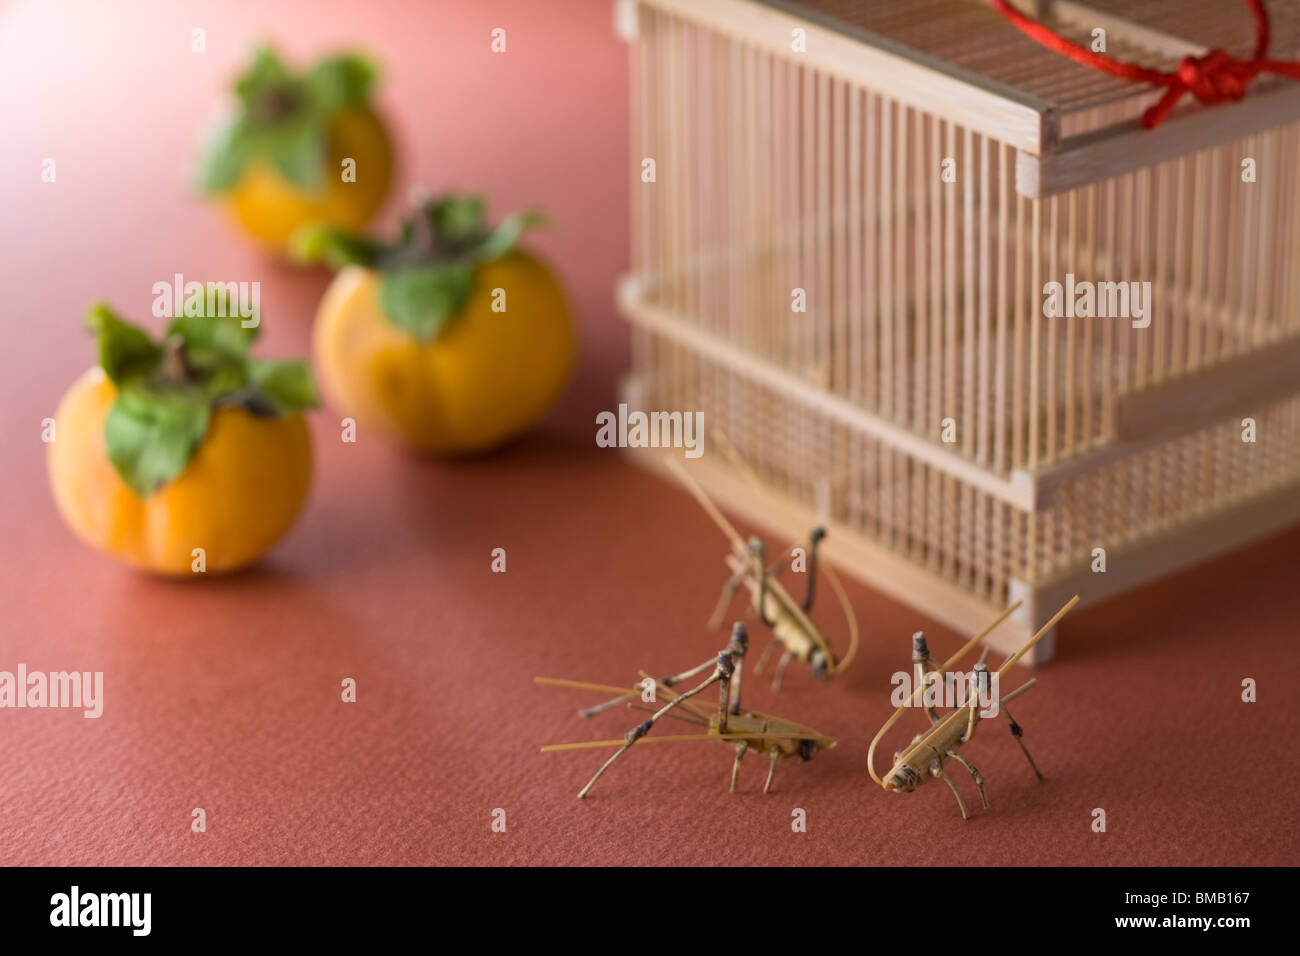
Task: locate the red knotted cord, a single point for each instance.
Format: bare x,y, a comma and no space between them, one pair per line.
1213,78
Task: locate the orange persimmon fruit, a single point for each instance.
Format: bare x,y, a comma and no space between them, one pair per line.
301,148
184,455
452,341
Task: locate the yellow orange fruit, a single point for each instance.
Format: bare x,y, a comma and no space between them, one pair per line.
238,495
271,209
486,377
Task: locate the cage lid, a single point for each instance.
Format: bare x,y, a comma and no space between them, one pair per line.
963,61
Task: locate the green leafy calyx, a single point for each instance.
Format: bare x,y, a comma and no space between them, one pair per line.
168,390
282,118
427,272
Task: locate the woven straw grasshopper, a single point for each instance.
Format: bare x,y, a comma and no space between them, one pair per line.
925,756
791,626
743,730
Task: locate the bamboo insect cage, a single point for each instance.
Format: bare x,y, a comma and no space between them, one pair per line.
846,218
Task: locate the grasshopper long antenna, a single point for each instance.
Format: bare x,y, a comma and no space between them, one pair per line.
693,486
686,717
828,742
585,685
722,441
1045,628
849,615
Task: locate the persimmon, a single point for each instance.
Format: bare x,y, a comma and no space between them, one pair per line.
185,454
300,148
450,340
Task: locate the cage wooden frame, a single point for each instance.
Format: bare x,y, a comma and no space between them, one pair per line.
819,170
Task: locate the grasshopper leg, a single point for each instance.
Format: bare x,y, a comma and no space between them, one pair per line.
781,665
735,767
937,771
762,658
771,770
1018,733
978,777
724,601
666,681
721,672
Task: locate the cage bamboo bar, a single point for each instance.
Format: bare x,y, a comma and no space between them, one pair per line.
819,169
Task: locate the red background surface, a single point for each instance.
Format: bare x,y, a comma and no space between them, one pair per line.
224,693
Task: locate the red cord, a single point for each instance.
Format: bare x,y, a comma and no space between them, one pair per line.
1213,78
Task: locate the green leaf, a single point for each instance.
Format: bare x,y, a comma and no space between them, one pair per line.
288,387
165,392
224,330
298,152
217,374
340,82
214,342
228,152
507,233
265,71
336,247
457,220
126,353
152,434
428,271
420,299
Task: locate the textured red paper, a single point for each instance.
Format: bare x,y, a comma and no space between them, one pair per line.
225,694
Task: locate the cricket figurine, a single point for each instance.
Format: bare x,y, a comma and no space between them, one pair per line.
789,620
742,730
924,758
